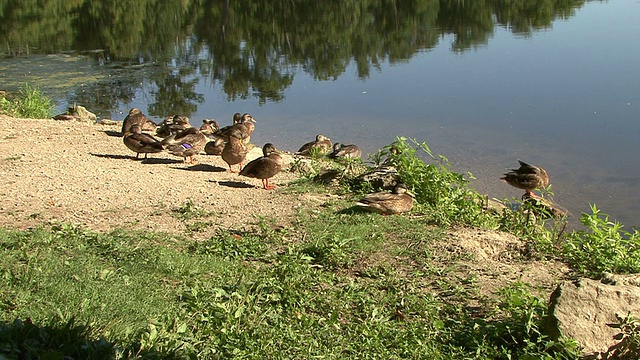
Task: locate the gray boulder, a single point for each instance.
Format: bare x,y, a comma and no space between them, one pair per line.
586,309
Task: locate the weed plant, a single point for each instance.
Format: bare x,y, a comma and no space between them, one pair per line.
443,193
29,103
603,247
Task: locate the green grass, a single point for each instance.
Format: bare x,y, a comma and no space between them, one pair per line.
28,103
338,283
335,285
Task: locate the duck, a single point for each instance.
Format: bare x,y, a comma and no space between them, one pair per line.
234,150
527,177
209,127
385,203
264,167
214,147
345,151
322,145
136,116
244,123
172,125
186,144
141,143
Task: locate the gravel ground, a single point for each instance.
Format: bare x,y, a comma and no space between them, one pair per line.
73,172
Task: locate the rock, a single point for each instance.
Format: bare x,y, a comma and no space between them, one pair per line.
83,114
77,113
302,166
384,177
582,310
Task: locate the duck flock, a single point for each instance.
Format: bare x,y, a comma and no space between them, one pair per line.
176,136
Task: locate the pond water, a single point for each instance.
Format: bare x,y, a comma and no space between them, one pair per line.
484,83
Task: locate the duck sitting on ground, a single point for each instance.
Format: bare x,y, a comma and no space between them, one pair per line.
264,167
234,150
527,177
345,151
214,147
141,143
388,203
136,117
186,144
321,145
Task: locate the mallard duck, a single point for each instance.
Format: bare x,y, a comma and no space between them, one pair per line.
214,147
234,150
527,177
136,116
322,144
172,125
244,123
139,143
264,167
186,144
209,127
385,203
345,151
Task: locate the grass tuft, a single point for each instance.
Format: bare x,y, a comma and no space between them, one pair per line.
29,103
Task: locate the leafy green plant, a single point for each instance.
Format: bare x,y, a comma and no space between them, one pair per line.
514,329
26,340
445,192
536,219
188,210
29,103
604,246
629,336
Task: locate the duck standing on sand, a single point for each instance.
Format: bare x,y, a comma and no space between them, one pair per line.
341,151
385,203
209,127
322,145
139,143
234,150
186,144
527,177
264,167
172,125
136,116
244,123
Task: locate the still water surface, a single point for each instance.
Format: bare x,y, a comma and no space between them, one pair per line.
483,91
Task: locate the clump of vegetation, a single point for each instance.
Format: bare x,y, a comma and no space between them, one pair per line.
445,193
29,103
629,336
603,247
188,210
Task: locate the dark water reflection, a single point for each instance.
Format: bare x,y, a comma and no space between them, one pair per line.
482,82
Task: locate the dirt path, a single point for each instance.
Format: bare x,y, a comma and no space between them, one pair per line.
72,172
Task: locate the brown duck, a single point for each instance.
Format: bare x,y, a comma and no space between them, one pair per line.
234,150
172,125
385,203
322,145
345,151
527,177
141,143
136,117
264,167
209,127
244,123
214,147
186,144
